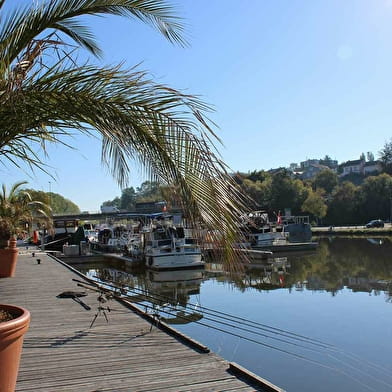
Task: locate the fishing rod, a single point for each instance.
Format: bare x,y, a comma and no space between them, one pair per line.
249,339
126,297
214,320
152,307
229,317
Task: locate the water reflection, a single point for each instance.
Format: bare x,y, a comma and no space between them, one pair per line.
323,295
165,293
267,274
357,264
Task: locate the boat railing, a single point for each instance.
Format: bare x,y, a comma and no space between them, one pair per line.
163,242
296,219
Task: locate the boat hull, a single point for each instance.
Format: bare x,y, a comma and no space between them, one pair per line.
174,261
291,246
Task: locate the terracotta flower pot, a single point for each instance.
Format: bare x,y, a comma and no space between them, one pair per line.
8,258
11,341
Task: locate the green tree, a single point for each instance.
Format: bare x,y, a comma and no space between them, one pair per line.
342,208
287,192
370,156
315,204
326,161
116,202
58,203
375,197
148,191
325,179
18,208
257,192
168,132
386,157
128,199
257,175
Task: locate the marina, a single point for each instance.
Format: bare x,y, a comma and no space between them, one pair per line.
287,233
339,295
136,255
70,348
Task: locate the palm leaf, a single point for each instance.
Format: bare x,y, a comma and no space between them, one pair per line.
166,131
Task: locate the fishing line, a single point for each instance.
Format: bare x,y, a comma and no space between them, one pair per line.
312,361
377,367
221,322
173,309
227,316
364,372
290,353
299,356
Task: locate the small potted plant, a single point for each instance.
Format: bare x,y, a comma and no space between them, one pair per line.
16,209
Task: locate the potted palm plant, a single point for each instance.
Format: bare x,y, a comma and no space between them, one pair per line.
16,210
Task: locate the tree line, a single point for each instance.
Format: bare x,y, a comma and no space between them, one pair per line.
327,198
148,191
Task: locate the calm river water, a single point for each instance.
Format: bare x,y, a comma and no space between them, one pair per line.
319,321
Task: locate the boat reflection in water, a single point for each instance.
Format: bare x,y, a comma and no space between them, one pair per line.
165,294
268,274
170,292
340,295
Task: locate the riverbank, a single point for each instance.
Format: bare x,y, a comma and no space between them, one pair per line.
352,230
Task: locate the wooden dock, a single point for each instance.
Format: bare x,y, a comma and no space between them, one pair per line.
62,353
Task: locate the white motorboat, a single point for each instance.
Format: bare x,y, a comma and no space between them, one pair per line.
170,247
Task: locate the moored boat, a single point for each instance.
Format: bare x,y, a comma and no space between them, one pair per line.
164,243
171,247
281,236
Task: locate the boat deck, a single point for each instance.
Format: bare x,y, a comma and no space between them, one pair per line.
62,353
290,246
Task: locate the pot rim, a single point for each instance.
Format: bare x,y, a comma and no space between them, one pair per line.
19,322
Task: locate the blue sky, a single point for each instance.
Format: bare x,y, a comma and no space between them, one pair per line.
289,80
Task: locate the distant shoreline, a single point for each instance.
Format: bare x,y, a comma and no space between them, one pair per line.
351,230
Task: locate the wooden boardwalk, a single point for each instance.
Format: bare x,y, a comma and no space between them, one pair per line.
61,352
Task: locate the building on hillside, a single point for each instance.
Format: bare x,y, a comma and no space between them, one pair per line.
309,162
312,170
277,170
351,167
372,167
294,167
331,163
361,167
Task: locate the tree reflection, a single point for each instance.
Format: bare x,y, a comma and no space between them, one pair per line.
356,263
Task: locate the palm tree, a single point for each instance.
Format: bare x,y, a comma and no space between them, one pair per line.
167,132
17,208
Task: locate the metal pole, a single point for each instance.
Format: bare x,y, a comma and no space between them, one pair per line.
390,211
50,193
43,239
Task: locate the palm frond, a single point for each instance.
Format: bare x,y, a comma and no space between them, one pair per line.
137,119
23,25
166,131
